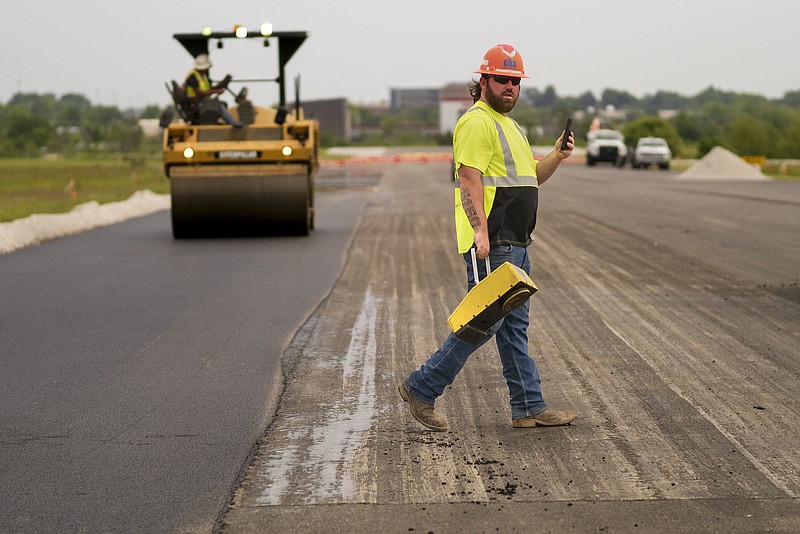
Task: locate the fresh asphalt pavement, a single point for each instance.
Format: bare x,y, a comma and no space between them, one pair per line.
138,372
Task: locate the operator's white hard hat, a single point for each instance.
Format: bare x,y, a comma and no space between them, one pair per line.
201,62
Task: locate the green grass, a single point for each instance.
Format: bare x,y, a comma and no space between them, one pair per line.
782,170
29,186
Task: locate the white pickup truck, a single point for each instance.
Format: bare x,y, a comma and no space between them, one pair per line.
606,145
651,151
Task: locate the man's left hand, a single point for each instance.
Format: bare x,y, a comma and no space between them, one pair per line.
564,154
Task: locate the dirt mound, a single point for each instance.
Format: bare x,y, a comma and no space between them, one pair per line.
721,164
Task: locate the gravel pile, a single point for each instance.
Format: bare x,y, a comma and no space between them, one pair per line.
721,164
37,228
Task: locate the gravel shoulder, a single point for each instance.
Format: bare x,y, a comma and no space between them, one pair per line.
41,227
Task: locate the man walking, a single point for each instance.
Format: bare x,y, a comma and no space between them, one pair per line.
495,208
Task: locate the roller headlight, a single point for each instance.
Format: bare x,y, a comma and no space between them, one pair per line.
287,151
188,152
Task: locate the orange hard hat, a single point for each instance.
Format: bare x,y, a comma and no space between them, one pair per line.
502,60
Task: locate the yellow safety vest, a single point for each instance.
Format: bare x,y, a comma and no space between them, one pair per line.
202,79
496,145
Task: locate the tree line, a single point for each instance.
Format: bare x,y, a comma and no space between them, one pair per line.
32,124
746,124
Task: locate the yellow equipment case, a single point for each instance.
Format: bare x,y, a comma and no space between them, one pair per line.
505,289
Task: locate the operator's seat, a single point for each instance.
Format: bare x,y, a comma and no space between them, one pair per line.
181,102
202,111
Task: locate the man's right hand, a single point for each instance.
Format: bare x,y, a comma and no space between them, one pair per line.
481,244
223,83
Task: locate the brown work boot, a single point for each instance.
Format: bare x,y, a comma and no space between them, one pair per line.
547,417
422,411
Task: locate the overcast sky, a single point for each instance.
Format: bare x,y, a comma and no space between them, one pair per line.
121,53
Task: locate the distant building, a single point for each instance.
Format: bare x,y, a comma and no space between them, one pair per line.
333,116
150,127
413,98
369,120
454,100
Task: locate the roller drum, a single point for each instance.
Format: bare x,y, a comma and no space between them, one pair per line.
241,200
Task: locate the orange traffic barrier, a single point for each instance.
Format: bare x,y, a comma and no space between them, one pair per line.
411,157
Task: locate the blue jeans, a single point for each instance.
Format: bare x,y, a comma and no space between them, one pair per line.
511,334
227,117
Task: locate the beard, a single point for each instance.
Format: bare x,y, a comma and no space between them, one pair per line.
499,101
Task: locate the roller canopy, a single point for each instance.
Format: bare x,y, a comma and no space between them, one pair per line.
288,44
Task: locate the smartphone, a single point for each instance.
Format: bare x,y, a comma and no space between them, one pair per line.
567,131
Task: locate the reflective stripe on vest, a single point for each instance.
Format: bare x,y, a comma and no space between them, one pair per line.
202,81
512,179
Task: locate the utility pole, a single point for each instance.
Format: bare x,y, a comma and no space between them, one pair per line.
19,73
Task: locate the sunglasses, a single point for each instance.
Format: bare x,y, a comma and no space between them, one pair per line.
502,80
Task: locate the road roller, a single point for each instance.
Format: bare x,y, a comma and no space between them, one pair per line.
252,178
